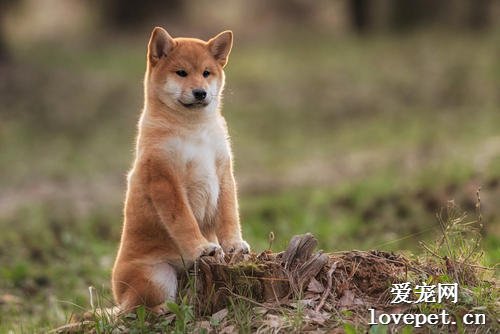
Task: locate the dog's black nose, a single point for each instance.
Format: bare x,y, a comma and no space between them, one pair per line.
199,94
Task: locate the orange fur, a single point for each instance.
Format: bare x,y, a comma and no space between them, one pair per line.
181,199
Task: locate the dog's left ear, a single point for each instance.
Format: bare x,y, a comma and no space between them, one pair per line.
220,46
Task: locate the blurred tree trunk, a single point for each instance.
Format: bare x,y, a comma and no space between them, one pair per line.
132,13
397,15
286,11
4,50
360,14
4,53
479,16
413,13
294,10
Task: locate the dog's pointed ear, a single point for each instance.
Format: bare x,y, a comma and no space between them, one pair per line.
160,44
220,46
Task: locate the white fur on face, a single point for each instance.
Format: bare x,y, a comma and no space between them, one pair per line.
172,93
214,91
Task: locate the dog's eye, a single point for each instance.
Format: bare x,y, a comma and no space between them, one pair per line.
181,73
206,74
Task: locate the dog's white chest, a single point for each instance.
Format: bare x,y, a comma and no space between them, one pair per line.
197,157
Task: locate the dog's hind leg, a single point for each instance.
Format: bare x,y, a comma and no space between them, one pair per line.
148,285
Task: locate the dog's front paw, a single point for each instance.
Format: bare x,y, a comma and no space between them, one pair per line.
211,249
236,247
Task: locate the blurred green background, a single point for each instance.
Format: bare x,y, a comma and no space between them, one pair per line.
354,120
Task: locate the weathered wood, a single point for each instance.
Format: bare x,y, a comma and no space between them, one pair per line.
310,268
266,277
276,279
299,250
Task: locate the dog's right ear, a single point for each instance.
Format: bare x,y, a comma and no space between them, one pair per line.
160,44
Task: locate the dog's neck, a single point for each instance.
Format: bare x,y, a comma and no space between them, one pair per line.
159,121
156,111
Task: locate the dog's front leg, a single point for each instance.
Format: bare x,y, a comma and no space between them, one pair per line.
171,204
228,227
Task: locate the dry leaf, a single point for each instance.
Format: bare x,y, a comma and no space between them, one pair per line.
348,299
316,317
312,296
260,310
315,286
228,330
203,325
9,299
220,315
273,321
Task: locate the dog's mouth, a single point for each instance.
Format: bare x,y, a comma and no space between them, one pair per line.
194,105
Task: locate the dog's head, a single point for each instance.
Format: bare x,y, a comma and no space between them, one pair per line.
186,74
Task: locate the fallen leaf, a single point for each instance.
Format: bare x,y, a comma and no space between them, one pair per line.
204,324
315,286
228,330
348,299
273,321
10,299
73,328
220,315
317,317
260,310
312,295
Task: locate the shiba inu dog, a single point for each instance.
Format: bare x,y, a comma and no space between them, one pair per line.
181,199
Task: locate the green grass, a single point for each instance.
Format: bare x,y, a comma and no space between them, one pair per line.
352,139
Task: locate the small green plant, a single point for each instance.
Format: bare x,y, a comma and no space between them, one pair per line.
458,250
103,317
378,329
349,328
183,315
459,244
141,317
240,311
407,330
297,318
